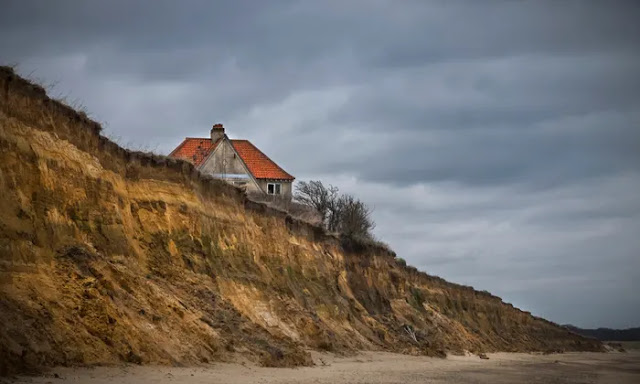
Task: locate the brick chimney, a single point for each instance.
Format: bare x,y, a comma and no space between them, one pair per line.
217,132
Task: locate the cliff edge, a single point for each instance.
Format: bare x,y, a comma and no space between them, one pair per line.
110,256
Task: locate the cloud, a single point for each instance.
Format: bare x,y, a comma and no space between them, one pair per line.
548,248
498,142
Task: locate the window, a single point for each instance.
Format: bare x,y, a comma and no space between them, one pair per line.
273,188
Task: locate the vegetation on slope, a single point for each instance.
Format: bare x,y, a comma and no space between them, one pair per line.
108,255
339,212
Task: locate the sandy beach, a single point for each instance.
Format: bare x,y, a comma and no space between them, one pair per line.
375,367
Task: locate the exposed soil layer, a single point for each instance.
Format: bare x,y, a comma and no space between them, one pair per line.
111,256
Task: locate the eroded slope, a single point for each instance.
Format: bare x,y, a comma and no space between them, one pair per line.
110,256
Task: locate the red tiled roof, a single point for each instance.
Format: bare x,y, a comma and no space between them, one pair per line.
194,150
259,164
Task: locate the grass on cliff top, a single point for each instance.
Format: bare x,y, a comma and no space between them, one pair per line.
27,99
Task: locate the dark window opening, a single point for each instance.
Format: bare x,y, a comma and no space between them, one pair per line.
274,188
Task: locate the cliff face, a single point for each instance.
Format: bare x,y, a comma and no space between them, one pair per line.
110,256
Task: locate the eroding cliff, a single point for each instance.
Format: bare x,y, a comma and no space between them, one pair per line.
111,256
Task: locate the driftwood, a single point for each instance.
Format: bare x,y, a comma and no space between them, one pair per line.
411,333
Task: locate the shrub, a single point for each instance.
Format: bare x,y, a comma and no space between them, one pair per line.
341,213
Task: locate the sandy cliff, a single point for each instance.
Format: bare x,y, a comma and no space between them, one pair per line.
109,256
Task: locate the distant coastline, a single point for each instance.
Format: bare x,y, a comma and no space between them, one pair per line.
607,334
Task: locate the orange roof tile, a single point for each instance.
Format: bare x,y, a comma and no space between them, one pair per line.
194,150
259,164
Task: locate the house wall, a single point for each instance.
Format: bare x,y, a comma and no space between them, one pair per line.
224,160
285,188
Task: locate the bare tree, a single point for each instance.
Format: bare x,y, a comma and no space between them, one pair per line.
340,213
354,217
323,199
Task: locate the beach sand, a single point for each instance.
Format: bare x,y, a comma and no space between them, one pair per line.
375,367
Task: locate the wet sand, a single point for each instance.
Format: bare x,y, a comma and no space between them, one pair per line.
376,367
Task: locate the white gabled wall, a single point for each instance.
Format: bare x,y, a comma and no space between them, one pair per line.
224,163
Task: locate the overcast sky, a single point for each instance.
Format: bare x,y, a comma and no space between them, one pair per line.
499,142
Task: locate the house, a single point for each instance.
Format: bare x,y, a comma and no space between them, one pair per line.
238,162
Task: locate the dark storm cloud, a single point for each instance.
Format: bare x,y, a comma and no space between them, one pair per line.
592,146
499,142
